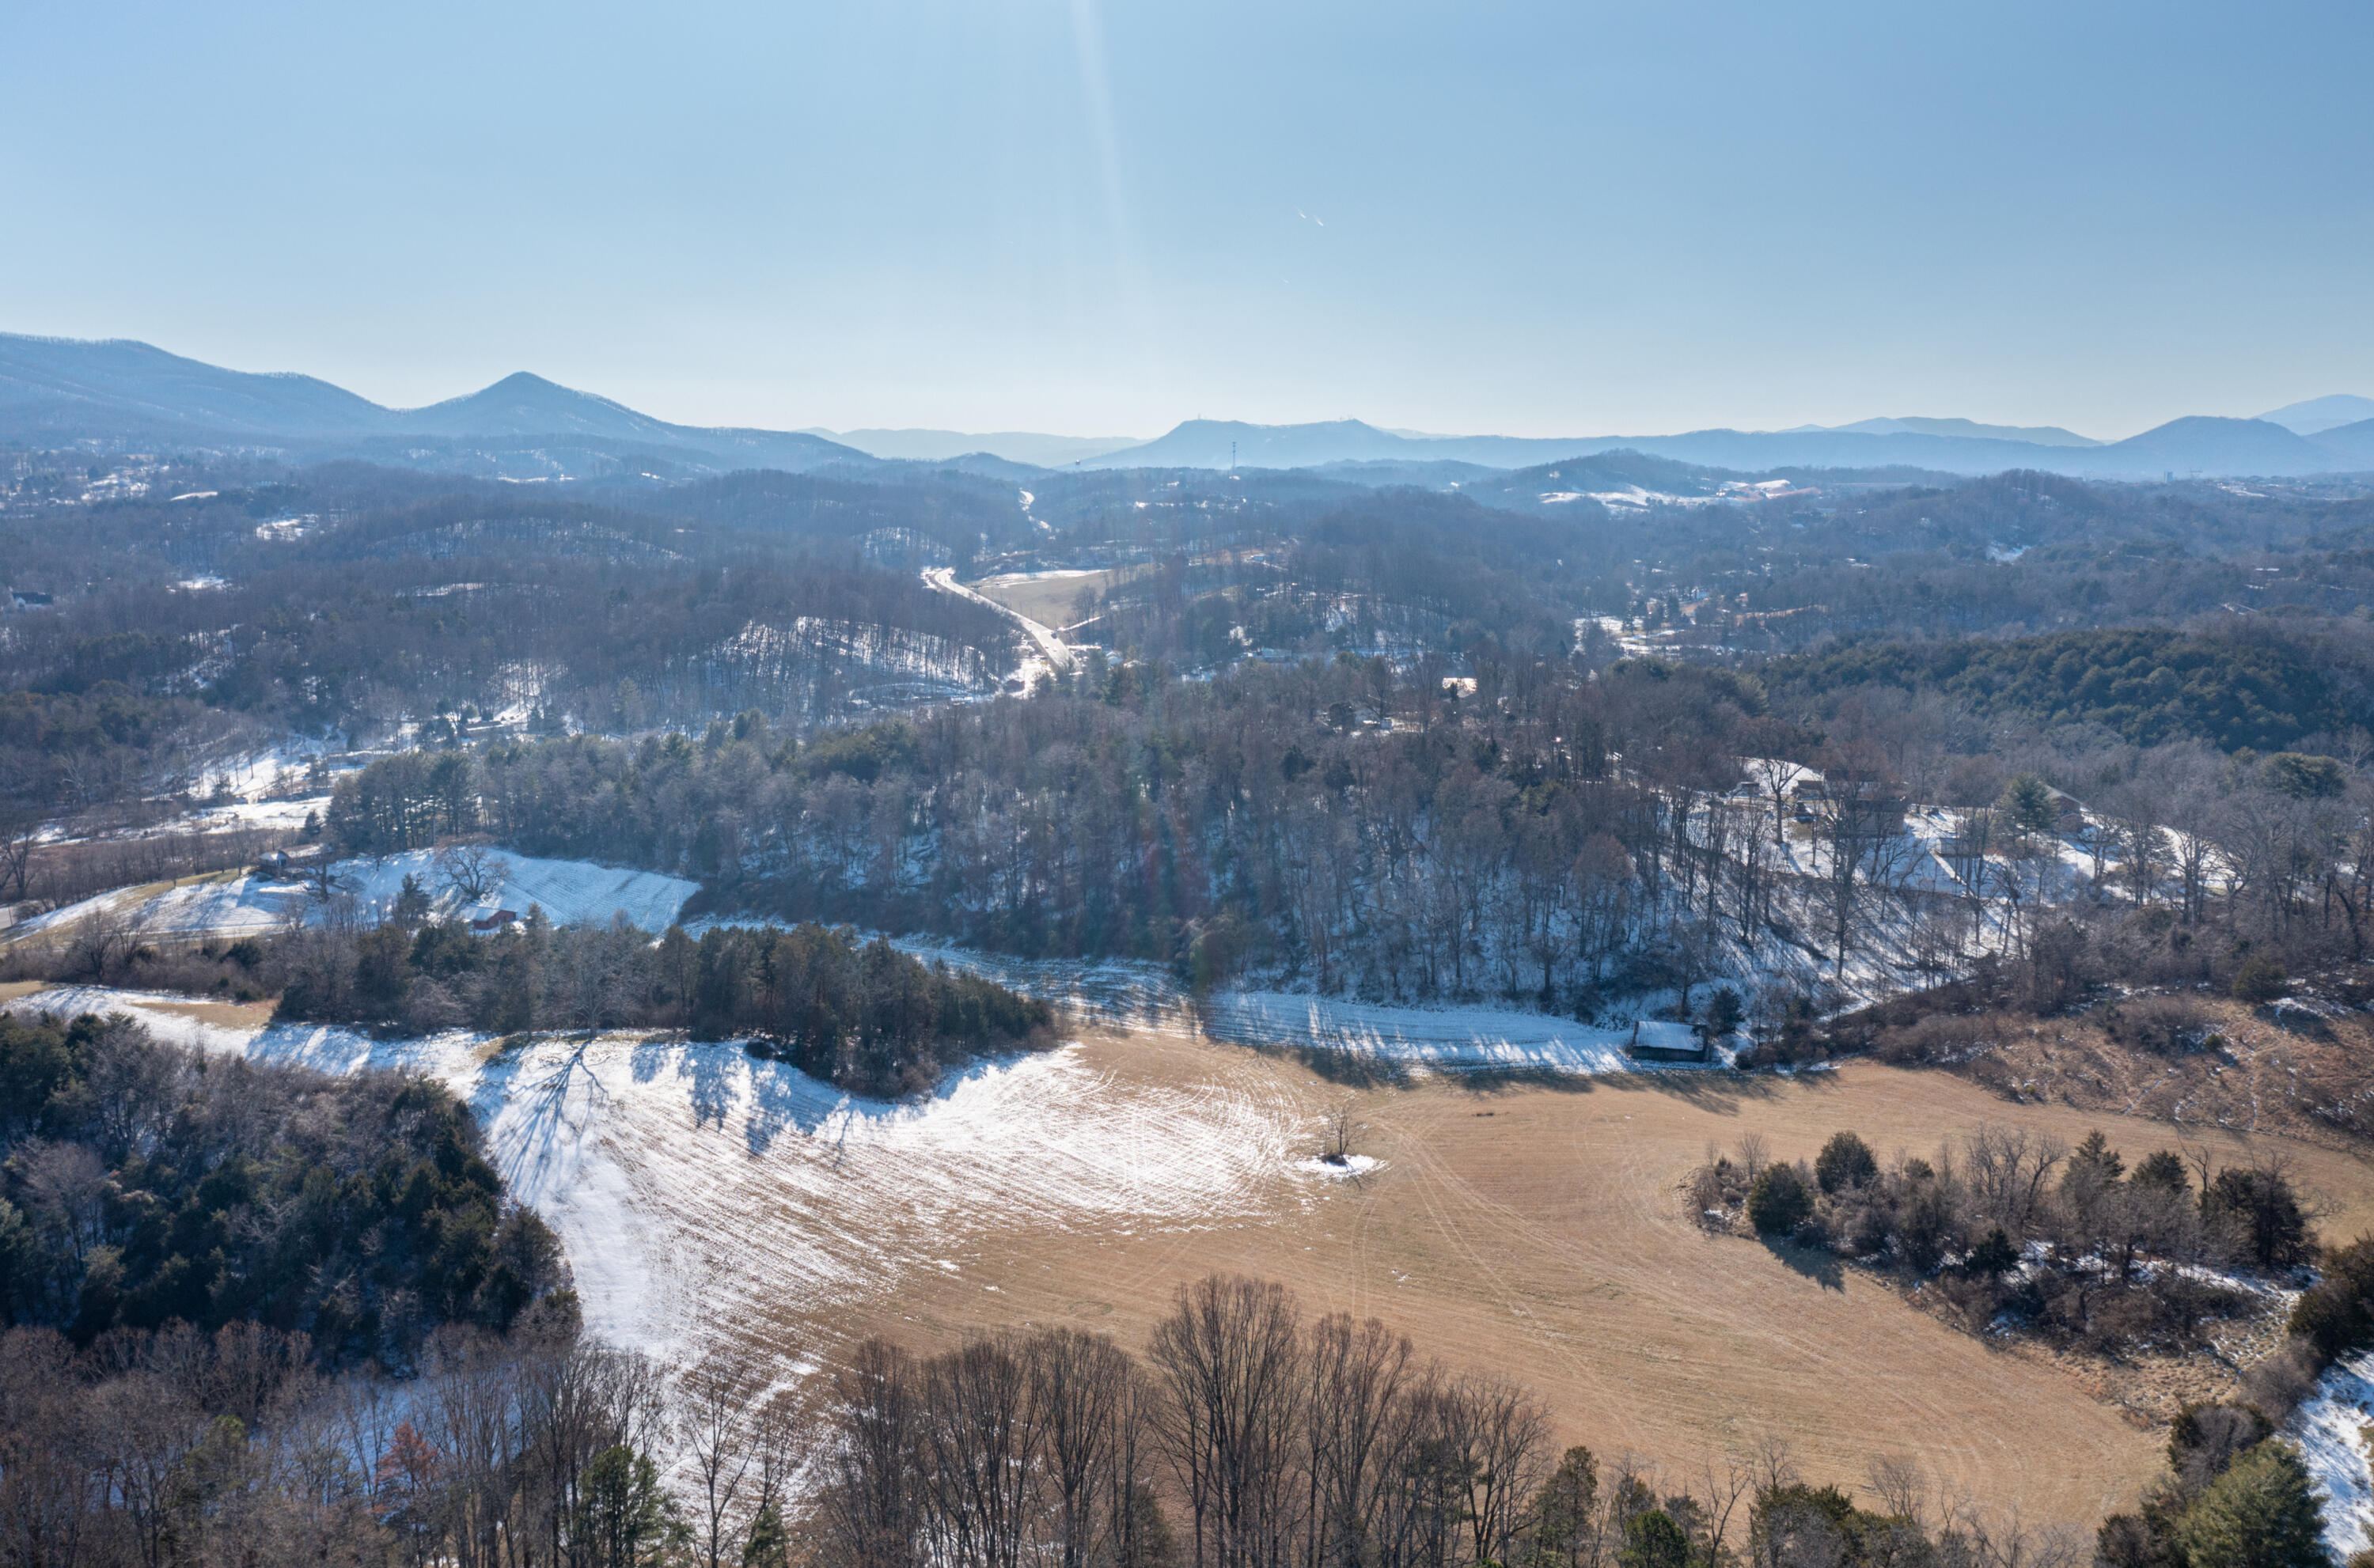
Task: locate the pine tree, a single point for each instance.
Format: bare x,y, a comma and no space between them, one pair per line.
1845,1161
2028,802
1562,1530
769,1545
1653,1540
2261,1514
624,1520
2163,1169
1779,1201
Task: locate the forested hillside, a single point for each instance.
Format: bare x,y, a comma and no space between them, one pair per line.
145,1185
1557,835
2233,687
861,1015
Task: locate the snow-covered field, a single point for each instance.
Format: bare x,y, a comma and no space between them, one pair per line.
693,1186
567,890
690,1183
246,905
228,906
1447,1039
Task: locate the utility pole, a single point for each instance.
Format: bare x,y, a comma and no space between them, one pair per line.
1232,460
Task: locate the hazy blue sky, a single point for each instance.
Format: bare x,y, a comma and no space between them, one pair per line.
1541,219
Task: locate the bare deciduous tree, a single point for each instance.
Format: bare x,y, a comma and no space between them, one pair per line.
1228,1358
473,870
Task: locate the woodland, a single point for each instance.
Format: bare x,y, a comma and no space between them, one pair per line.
1837,771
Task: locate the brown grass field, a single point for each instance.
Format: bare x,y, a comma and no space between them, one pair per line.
1049,600
1538,1234
1534,1232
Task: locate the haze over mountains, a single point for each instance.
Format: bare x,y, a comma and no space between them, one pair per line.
56,392
2318,415
59,390
1014,446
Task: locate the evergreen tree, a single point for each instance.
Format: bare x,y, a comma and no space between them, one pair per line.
1845,1161
624,1520
2164,1169
2093,1160
2261,1514
2027,800
1562,1530
1994,1255
768,1544
2261,979
1779,1201
1653,1540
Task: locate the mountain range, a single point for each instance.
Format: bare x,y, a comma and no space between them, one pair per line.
58,390
1014,446
2198,444
67,390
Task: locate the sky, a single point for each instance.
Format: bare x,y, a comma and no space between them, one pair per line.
1546,219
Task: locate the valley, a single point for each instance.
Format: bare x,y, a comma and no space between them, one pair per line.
1532,1228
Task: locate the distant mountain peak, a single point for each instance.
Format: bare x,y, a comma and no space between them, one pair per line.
1967,430
2318,415
52,388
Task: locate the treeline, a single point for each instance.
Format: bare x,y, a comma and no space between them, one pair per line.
173,1446
346,598
2068,1242
494,615
2002,556
52,873
142,1184
861,1015
1246,1436
1399,572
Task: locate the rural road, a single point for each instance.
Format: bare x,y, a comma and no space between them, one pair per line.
1051,647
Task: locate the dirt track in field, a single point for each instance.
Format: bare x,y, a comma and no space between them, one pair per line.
1536,1232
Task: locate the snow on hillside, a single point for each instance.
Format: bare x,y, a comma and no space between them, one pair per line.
2334,1431
210,1026
247,904
228,906
567,890
691,1185
773,656
1449,1039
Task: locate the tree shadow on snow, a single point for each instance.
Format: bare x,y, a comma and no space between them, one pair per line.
709,1071
782,1098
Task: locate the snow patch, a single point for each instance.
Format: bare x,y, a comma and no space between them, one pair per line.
2331,1429
1350,1166
232,907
